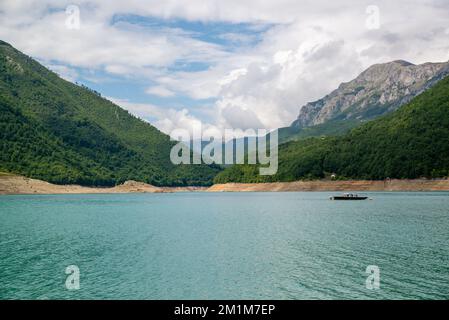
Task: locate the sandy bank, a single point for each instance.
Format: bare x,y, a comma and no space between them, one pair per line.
12,184
357,185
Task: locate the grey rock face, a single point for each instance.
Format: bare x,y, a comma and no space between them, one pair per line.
380,89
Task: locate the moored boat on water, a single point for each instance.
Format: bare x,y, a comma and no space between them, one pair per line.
348,196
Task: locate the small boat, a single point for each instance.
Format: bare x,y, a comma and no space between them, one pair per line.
349,196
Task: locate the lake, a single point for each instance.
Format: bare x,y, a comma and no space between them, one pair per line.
199,245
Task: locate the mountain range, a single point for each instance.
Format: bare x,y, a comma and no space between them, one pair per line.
411,142
392,121
380,89
64,133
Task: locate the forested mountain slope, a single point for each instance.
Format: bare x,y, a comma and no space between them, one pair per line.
411,142
380,89
60,132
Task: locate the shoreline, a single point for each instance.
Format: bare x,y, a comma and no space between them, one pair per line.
15,185
336,186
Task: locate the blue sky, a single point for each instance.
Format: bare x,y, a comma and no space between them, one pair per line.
221,64
217,33
212,32
229,37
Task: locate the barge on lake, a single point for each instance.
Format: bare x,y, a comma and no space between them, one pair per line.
349,196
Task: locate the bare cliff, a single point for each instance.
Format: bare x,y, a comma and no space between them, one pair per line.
380,89
324,185
13,184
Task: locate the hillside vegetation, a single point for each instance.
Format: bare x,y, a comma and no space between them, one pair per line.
63,133
379,90
411,142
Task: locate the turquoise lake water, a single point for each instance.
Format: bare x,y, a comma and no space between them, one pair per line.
224,246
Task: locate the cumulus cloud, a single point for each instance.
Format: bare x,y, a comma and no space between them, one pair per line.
119,48
274,88
309,48
64,72
166,119
160,91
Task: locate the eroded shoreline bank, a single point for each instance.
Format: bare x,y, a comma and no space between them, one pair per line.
326,185
12,184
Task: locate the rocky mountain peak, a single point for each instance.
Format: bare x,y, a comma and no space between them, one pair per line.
379,89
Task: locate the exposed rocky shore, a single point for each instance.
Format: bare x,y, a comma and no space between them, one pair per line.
324,185
12,184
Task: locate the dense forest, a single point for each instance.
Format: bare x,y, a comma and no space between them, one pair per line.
329,128
63,133
412,142
60,132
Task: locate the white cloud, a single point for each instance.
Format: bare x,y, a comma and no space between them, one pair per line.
120,48
275,88
232,76
310,49
238,38
304,60
166,119
160,91
64,72
144,111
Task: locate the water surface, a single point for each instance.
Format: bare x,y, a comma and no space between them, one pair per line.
224,246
